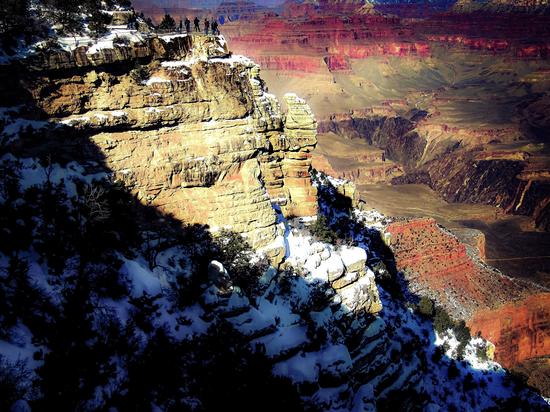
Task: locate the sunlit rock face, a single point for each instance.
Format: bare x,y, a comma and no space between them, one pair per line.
519,330
510,313
437,264
300,139
197,136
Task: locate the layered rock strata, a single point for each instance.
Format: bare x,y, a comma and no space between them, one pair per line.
515,181
510,313
188,127
519,330
286,168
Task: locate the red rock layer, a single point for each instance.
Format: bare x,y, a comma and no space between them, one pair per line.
513,315
309,39
436,263
336,36
519,330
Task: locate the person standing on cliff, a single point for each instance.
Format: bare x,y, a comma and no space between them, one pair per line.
206,25
187,25
214,25
197,21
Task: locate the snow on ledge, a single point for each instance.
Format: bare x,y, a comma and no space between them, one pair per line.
233,60
155,79
168,38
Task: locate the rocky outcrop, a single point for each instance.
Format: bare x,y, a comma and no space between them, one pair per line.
343,268
437,264
472,238
192,132
286,168
519,330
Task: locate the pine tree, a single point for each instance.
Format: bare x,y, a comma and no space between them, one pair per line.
167,23
65,13
97,20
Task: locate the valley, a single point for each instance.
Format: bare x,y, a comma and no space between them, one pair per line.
446,117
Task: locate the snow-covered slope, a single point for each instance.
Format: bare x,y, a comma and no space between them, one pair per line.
335,350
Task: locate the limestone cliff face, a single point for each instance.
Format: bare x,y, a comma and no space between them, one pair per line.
437,264
191,130
287,167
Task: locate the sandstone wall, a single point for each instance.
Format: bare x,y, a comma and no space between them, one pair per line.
437,264
198,136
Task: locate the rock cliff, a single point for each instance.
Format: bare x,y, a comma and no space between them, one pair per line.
186,125
437,264
510,313
519,330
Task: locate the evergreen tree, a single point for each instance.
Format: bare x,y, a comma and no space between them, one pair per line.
66,14
322,231
426,306
97,23
167,23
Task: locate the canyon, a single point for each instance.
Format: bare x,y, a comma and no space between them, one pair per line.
223,249
188,129
455,102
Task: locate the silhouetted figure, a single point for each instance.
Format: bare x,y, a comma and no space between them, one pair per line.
187,25
197,21
181,26
206,26
214,25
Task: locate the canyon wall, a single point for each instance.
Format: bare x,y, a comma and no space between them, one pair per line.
519,330
512,314
508,179
438,265
196,136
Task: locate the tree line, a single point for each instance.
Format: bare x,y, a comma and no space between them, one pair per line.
17,16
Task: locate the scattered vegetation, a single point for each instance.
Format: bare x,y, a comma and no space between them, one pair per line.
17,17
443,322
168,23
91,359
238,258
321,230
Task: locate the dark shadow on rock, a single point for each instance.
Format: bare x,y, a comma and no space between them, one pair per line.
65,278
